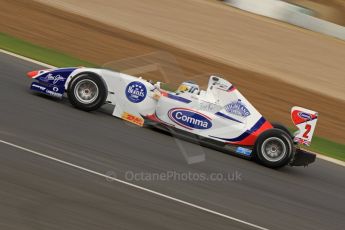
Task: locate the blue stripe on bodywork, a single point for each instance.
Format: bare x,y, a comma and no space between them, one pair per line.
257,125
177,98
227,117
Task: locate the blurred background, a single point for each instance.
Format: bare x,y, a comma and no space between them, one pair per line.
256,45
330,10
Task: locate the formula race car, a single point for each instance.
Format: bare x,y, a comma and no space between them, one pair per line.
219,116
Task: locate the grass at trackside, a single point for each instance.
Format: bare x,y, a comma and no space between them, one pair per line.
324,146
38,53
15,45
328,148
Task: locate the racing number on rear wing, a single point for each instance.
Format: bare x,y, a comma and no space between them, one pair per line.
307,130
305,120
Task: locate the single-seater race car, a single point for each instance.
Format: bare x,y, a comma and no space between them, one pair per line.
219,116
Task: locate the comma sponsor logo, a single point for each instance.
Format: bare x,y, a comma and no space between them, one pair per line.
190,119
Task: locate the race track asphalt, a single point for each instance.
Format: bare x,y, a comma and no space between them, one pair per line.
38,193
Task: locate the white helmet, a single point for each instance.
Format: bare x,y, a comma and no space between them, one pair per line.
188,86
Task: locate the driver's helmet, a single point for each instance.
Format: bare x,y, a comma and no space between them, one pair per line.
188,86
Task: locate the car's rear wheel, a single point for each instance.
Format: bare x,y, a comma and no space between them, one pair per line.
274,148
87,92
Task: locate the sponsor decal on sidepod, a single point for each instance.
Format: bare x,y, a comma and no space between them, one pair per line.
133,119
243,151
237,108
136,92
189,119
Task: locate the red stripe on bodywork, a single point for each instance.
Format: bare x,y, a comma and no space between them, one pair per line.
154,117
250,140
231,89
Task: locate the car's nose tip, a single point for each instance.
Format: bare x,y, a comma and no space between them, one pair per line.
32,74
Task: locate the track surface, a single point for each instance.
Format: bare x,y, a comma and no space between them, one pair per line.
37,193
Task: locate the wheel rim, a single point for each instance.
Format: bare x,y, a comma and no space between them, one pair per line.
273,149
86,91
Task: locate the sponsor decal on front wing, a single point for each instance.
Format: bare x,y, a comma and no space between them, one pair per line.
52,79
51,91
189,119
133,119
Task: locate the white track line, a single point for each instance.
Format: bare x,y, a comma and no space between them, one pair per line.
27,59
134,186
330,159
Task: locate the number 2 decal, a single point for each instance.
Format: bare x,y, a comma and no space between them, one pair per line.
307,131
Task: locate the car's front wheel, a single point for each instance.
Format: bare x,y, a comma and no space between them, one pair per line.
87,92
274,148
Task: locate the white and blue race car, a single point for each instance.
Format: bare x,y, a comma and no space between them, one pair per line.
219,116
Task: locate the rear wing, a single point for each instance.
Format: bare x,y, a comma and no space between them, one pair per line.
305,120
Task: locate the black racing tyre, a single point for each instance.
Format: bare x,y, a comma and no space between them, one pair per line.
282,127
274,148
87,92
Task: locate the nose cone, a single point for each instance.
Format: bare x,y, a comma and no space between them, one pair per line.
32,74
